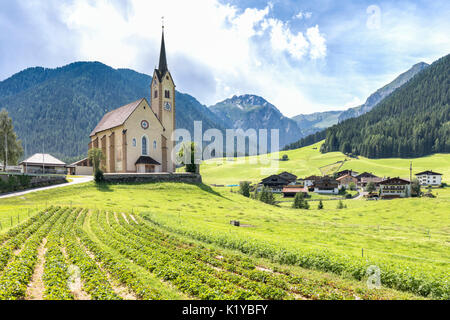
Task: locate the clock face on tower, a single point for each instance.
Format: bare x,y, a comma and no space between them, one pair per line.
168,106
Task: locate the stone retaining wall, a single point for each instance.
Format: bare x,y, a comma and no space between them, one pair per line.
152,177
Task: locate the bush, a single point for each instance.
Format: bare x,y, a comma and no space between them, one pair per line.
284,157
99,177
340,205
300,202
244,189
320,206
266,196
370,187
352,186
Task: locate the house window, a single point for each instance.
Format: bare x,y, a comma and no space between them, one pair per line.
156,94
133,142
144,146
154,144
167,94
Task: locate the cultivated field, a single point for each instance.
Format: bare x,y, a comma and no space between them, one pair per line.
307,161
174,241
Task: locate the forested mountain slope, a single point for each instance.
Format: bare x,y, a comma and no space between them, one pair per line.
413,121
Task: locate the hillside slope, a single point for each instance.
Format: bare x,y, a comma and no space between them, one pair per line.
312,124
413,121
56,109
382,93
307,161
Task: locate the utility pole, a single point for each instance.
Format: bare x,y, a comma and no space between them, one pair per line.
43,164
410,172
6,150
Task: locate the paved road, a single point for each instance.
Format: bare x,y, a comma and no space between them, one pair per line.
75,181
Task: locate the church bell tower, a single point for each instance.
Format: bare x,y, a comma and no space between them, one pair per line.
163,105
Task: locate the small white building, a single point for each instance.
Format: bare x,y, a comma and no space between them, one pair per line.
43,164
429,178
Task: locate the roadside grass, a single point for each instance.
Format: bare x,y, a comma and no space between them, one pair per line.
307,161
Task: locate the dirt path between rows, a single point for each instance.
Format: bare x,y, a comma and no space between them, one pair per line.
121,290
35,289
75,283
125,217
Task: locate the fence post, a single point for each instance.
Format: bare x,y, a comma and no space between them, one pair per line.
362,252
11,221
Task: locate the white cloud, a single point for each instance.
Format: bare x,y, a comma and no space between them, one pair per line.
247,52
303,15
318,43
355,102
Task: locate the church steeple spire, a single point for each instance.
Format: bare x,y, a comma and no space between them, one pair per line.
162,56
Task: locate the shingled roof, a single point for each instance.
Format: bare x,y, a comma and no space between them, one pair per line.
116,117
46,159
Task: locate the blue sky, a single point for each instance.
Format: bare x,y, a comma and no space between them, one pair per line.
303,56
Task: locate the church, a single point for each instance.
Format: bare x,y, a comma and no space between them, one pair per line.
137,137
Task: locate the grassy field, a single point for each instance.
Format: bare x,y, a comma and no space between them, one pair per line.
408,238
307,161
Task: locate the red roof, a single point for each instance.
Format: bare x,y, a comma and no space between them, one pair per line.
293,190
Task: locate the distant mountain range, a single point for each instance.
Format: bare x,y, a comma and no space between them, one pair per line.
312,123
413,121
253,112
54,110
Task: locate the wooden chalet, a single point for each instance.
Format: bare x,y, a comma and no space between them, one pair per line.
288,176
326,185
275,183
346,180
346,172
392,188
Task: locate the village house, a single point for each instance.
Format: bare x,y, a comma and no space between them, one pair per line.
429,178
392,188
326,185
275,183
311,180
80,168
346,180
42,163
137,137
365,175
291,178
346,172
365,181
291,190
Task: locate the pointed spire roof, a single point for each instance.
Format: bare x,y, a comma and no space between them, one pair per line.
162,69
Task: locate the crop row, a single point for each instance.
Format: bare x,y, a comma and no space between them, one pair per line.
56,274
175,263
17,274
243,266
95,281
188,278
115,264
16,237
394,276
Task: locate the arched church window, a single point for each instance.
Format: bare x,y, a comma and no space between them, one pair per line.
156,93
133,142
154,145
144,146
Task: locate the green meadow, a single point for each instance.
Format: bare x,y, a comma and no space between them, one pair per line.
308,161
406,238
